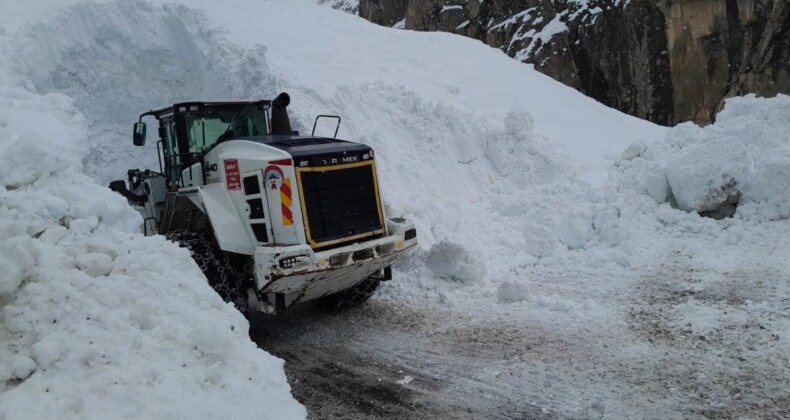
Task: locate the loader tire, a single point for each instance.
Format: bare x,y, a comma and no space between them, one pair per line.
350,297
225,271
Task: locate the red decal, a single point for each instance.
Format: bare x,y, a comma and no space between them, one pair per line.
284,162
232,174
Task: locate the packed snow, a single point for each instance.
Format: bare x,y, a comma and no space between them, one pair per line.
533,203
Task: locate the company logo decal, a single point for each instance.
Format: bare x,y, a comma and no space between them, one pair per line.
274,177
232,174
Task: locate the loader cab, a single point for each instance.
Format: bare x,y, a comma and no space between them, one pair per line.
188,130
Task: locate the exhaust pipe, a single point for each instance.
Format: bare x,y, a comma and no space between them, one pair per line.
281,124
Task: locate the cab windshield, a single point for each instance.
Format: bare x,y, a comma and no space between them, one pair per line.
215,124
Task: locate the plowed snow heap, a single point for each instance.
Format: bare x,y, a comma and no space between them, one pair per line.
271,217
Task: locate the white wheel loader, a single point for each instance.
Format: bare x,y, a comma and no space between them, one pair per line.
272,217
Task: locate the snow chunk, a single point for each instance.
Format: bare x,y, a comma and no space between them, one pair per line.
511,292
94,265
577,229
633,151
540,241
703,178
451,261
17,258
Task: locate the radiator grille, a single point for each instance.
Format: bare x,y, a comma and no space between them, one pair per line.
340,203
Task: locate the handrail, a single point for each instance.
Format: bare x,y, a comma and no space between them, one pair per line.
327,116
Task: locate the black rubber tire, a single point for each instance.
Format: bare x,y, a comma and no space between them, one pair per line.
350,297
224,271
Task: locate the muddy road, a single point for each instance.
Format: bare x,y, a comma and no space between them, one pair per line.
390,359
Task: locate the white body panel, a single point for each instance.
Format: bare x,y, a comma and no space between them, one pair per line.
252,157
192,176
229,229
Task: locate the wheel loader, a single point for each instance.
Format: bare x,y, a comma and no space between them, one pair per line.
272,217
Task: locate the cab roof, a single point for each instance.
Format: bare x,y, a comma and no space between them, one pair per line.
180,107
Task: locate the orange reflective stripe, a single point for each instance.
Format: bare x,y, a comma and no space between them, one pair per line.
285,202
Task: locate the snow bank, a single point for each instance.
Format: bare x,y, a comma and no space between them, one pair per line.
743,158
96,320
116,60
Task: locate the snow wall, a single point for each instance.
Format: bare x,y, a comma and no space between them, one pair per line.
97,321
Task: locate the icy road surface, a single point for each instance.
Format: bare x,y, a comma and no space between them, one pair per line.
388,359
391,360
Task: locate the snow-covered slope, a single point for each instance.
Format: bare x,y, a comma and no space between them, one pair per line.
510,177
97,321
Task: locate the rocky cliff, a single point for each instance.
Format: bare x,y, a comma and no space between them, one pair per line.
663,60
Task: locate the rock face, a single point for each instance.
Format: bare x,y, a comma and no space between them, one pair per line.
667,61
348,6
723,48
383,12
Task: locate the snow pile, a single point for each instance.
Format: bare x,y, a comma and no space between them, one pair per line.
97,321
743,159
116,60
486,198
488,164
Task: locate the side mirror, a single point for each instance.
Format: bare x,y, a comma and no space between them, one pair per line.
138,134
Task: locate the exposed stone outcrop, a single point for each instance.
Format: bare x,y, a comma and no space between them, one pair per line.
348,6
666,61
383,12
720,49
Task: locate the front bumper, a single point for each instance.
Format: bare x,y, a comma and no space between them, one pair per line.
302,274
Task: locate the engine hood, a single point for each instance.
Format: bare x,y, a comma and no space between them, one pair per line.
316,151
